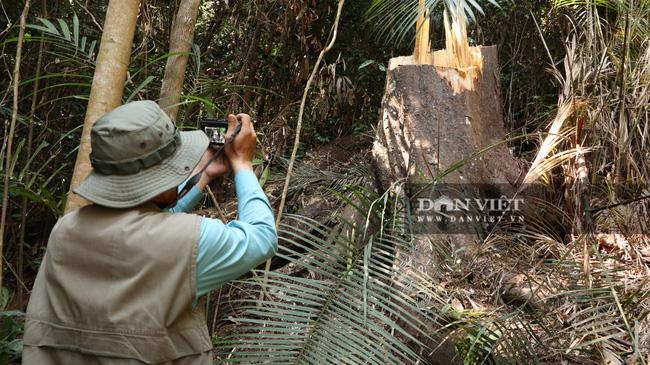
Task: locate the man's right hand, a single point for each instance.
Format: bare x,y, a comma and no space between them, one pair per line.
242,149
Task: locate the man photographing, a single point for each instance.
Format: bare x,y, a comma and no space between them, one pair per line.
121,278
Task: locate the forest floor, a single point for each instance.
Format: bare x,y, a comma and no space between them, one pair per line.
503,276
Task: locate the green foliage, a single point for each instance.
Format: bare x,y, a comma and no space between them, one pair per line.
356,308
75,42
11,331
394,20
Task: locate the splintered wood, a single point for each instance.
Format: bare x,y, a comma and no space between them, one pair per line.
458,63
422,43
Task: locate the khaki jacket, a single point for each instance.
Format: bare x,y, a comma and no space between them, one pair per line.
116,286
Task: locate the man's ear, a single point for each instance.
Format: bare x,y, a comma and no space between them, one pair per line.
166,198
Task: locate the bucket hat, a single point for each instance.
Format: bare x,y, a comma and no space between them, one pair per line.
138,153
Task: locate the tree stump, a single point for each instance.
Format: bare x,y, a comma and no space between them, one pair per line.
427,127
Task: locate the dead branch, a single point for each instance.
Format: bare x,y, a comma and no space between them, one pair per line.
296,141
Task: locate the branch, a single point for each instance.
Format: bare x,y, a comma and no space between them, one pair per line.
296,141
12,131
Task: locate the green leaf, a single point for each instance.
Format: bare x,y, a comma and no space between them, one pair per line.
366,63
15,347
265,175
137,90
64,29
50,28
83,44
91,49
75,29
5,298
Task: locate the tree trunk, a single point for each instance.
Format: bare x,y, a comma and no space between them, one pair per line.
10,139
20,259
108,82
426,128
180,41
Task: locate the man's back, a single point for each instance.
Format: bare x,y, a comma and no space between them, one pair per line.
130,295
120,280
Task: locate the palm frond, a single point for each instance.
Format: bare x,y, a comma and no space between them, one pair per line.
337,176
355,309
392,21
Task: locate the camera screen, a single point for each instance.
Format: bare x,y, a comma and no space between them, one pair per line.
215,129
217,134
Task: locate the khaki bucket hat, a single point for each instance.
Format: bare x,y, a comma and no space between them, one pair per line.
137,153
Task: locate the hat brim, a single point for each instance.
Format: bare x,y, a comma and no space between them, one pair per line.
126,191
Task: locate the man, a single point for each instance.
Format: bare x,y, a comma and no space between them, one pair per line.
121,278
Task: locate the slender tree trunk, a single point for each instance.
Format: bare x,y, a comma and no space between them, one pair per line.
180,41
10,137
28,151
108,82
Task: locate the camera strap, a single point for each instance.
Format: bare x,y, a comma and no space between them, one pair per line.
192,181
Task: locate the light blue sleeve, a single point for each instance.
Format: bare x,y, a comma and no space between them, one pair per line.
227,251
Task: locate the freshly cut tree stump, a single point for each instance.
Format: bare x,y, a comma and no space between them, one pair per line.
426,127
436,118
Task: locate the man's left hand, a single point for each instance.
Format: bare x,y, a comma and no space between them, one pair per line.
218,167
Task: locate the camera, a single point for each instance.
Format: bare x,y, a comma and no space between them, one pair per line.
215,129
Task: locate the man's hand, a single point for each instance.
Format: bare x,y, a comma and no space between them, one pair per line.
241,151
238,155
218,167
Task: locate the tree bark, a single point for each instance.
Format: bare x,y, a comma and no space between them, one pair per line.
180,41
108,83
426,128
